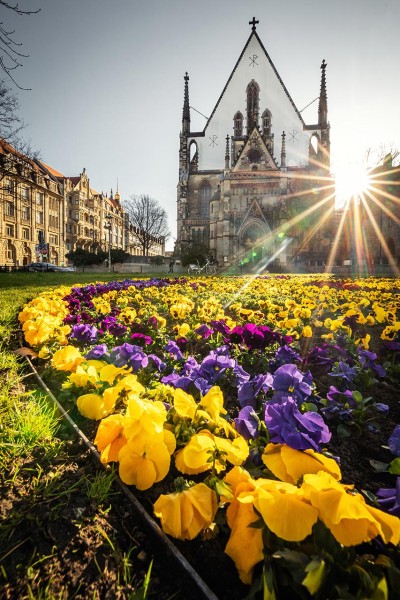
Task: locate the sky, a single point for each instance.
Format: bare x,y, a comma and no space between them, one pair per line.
106,79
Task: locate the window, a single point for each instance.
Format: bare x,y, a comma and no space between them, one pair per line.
69,228
204,199
11,254
76,215
266,123
25,233
9,209
77,201
39,218
70,199
25,193
39,198
238,124
53,239
253,91
26,213
10,186
10,230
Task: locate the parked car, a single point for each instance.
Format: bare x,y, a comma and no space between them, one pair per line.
45,266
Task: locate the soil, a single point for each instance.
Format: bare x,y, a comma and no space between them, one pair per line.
80,549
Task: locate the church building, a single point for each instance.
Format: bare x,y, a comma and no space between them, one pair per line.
254,186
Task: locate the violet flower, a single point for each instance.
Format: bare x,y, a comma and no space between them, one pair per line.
247,423
344,371
389,499
394,441
367,361
129,355
301,431
99,352
249,390
288,381
174,350
204,331
84,334
141,338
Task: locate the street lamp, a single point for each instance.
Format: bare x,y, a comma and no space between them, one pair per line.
109,227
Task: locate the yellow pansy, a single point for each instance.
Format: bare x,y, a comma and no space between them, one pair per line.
290,465
82,377
143,462
197,455
185,514
67,359
213,403
277,502
240,517
307,331
110,438
184,404
95,406
347,515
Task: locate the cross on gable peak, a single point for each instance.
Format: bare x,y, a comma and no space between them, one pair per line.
253,23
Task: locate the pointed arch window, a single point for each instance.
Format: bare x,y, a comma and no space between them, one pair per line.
204,199
266,123
238,124
253,93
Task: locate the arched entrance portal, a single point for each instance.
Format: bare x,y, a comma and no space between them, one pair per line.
255,243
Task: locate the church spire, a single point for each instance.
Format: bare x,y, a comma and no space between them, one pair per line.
186,108
283,150
227,153
323,102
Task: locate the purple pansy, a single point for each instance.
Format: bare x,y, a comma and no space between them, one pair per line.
129,355
249,390
301,431
173,349
98,352
367,361
389,499
288,381
247,423
141,338
204,331
84,334
394,441
346,373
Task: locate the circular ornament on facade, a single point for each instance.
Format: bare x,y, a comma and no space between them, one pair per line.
254,155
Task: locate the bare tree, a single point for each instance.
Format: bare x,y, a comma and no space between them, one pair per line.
148,221
10,50
10,122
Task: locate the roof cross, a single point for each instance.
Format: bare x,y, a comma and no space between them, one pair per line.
253,23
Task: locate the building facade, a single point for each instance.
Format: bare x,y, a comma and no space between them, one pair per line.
32,219
45,214
253,183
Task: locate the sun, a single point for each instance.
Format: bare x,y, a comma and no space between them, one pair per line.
351,180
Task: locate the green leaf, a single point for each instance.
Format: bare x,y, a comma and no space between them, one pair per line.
315,573
357,396
378,466
343,431
394,467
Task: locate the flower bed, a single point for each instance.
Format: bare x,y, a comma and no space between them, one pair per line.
258,411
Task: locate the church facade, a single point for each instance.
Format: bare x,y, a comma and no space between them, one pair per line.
254,186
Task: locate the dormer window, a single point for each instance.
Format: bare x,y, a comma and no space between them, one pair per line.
238,124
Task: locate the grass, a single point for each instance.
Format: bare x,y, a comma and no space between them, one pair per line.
36,483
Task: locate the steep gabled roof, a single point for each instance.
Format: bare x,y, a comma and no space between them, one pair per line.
52,171
254,33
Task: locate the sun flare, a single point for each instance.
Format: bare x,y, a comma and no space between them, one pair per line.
351,180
